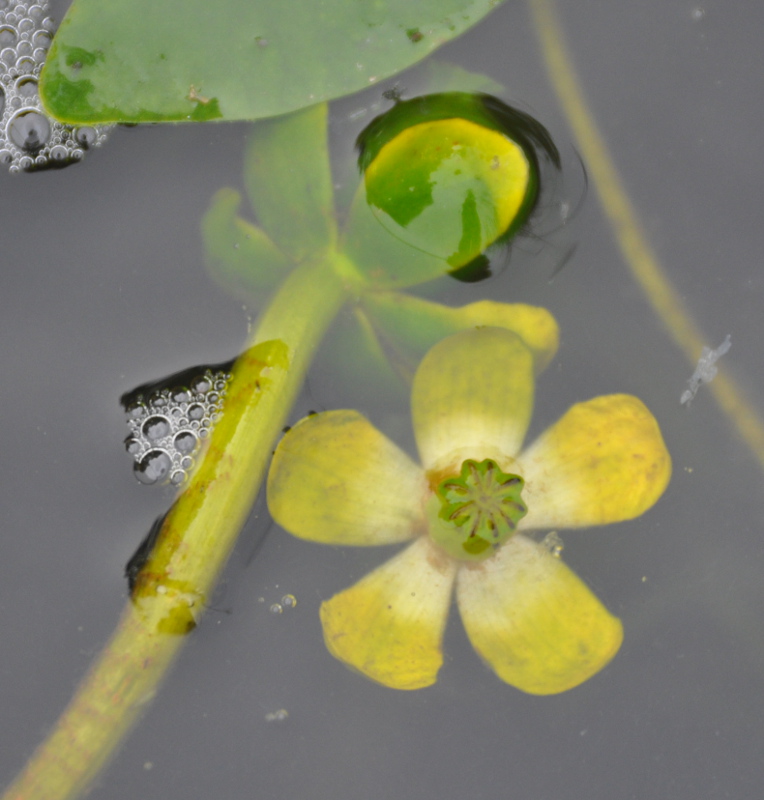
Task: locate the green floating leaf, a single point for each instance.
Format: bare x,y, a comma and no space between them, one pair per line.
149,61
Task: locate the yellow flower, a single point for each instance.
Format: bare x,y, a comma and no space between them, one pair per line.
336,479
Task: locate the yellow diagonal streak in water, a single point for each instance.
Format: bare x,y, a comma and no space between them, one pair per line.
636,250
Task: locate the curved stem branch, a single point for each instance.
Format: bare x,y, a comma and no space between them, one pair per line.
639,256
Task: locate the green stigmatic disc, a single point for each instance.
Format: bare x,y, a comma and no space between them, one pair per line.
475,512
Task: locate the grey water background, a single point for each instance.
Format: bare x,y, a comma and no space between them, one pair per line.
104,287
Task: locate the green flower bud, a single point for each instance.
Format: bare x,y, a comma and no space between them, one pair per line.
445,176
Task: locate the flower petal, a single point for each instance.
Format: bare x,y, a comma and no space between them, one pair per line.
389,626
534,621
336,479
410,325
472,398
604,461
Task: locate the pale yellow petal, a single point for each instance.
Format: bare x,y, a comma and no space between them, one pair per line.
534,621
604,461
472,398
336,479
410,325
389,626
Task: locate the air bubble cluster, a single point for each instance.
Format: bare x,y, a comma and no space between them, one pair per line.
29,139
169,426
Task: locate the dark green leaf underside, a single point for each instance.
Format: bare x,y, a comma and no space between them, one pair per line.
179,60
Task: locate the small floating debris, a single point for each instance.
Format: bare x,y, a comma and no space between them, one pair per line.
277,716
706,369
553,543
29,139
169,420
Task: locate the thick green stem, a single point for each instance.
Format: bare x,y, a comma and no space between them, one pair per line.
194,543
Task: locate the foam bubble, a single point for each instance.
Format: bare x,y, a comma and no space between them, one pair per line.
29,130
154,467
167,424
25,37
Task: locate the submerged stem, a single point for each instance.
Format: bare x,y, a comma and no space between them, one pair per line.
194,543
647,270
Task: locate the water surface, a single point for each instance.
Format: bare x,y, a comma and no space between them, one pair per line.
103,288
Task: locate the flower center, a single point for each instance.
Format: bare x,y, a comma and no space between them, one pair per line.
478,510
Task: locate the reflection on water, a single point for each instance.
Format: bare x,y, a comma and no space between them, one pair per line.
104,286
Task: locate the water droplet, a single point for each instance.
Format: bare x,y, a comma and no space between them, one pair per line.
136,411
133,446
186,442
178,477
153,467
29,130
27,87
277,716
41,39
201,385
58,154
289,601
25,65
196,411
87,137
276,608
8,36
156,428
